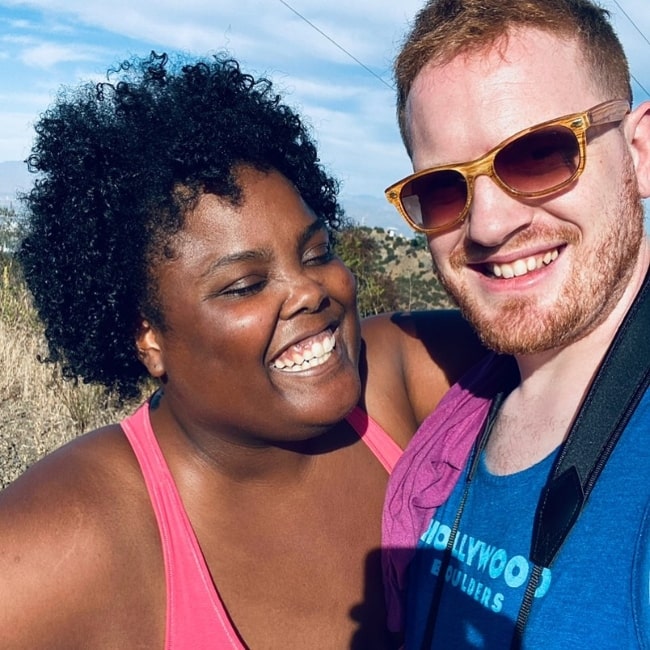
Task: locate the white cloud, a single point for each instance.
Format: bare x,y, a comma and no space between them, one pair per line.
49,55
19,24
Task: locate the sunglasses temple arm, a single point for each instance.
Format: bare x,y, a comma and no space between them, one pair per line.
613,111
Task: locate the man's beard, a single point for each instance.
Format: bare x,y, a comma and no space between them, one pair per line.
597,282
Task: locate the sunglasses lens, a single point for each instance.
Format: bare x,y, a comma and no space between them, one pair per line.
539,161
436,199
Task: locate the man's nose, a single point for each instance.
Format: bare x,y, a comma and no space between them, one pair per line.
494,215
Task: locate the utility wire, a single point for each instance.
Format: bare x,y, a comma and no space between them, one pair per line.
643,36
340,47
383,81
640,84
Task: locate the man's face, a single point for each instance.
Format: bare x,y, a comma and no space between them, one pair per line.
530,274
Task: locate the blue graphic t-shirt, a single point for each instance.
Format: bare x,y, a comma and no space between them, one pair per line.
597,593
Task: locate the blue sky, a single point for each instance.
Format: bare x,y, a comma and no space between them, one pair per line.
349,103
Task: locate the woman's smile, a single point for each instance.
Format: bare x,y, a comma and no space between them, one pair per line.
310,352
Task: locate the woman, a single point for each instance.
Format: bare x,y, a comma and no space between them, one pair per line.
181,229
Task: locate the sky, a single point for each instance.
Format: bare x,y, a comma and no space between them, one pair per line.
330,59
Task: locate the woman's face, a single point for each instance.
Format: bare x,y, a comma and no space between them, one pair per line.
261,336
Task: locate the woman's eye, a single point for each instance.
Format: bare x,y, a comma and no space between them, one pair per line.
244,287
320,254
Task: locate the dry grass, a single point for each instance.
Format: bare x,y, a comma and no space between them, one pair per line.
39,410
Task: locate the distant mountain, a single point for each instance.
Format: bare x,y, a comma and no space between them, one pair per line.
374,212
14,177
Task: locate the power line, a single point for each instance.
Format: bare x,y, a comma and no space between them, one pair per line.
643,36
640,84
383,81
340,47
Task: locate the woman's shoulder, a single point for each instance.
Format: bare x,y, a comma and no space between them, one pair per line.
82,468
87,486
66,528
409,361
433,330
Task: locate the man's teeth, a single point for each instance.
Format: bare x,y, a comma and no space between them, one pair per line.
307,354
523,266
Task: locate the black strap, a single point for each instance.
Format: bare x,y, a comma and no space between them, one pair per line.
613,395
509,379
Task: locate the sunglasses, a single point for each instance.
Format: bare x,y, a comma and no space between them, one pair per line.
535,162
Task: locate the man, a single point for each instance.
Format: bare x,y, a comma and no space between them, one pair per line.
540,240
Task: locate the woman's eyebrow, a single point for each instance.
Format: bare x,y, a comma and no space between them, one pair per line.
261,254
316,226
252,255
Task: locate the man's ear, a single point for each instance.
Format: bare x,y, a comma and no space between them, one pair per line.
637,129
149,349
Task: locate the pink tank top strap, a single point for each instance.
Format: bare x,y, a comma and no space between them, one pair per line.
386,450
196,617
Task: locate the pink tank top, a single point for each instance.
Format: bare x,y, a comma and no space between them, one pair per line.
196,617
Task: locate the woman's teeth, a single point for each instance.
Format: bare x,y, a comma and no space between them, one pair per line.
309,353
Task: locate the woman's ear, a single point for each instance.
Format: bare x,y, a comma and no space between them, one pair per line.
637,128
149,349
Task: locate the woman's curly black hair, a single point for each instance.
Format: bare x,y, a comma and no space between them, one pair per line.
119,164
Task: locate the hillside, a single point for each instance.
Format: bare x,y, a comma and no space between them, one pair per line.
394,272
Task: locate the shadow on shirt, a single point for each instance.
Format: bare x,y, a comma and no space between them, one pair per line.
479,626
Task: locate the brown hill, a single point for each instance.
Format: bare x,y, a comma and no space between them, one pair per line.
394,272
